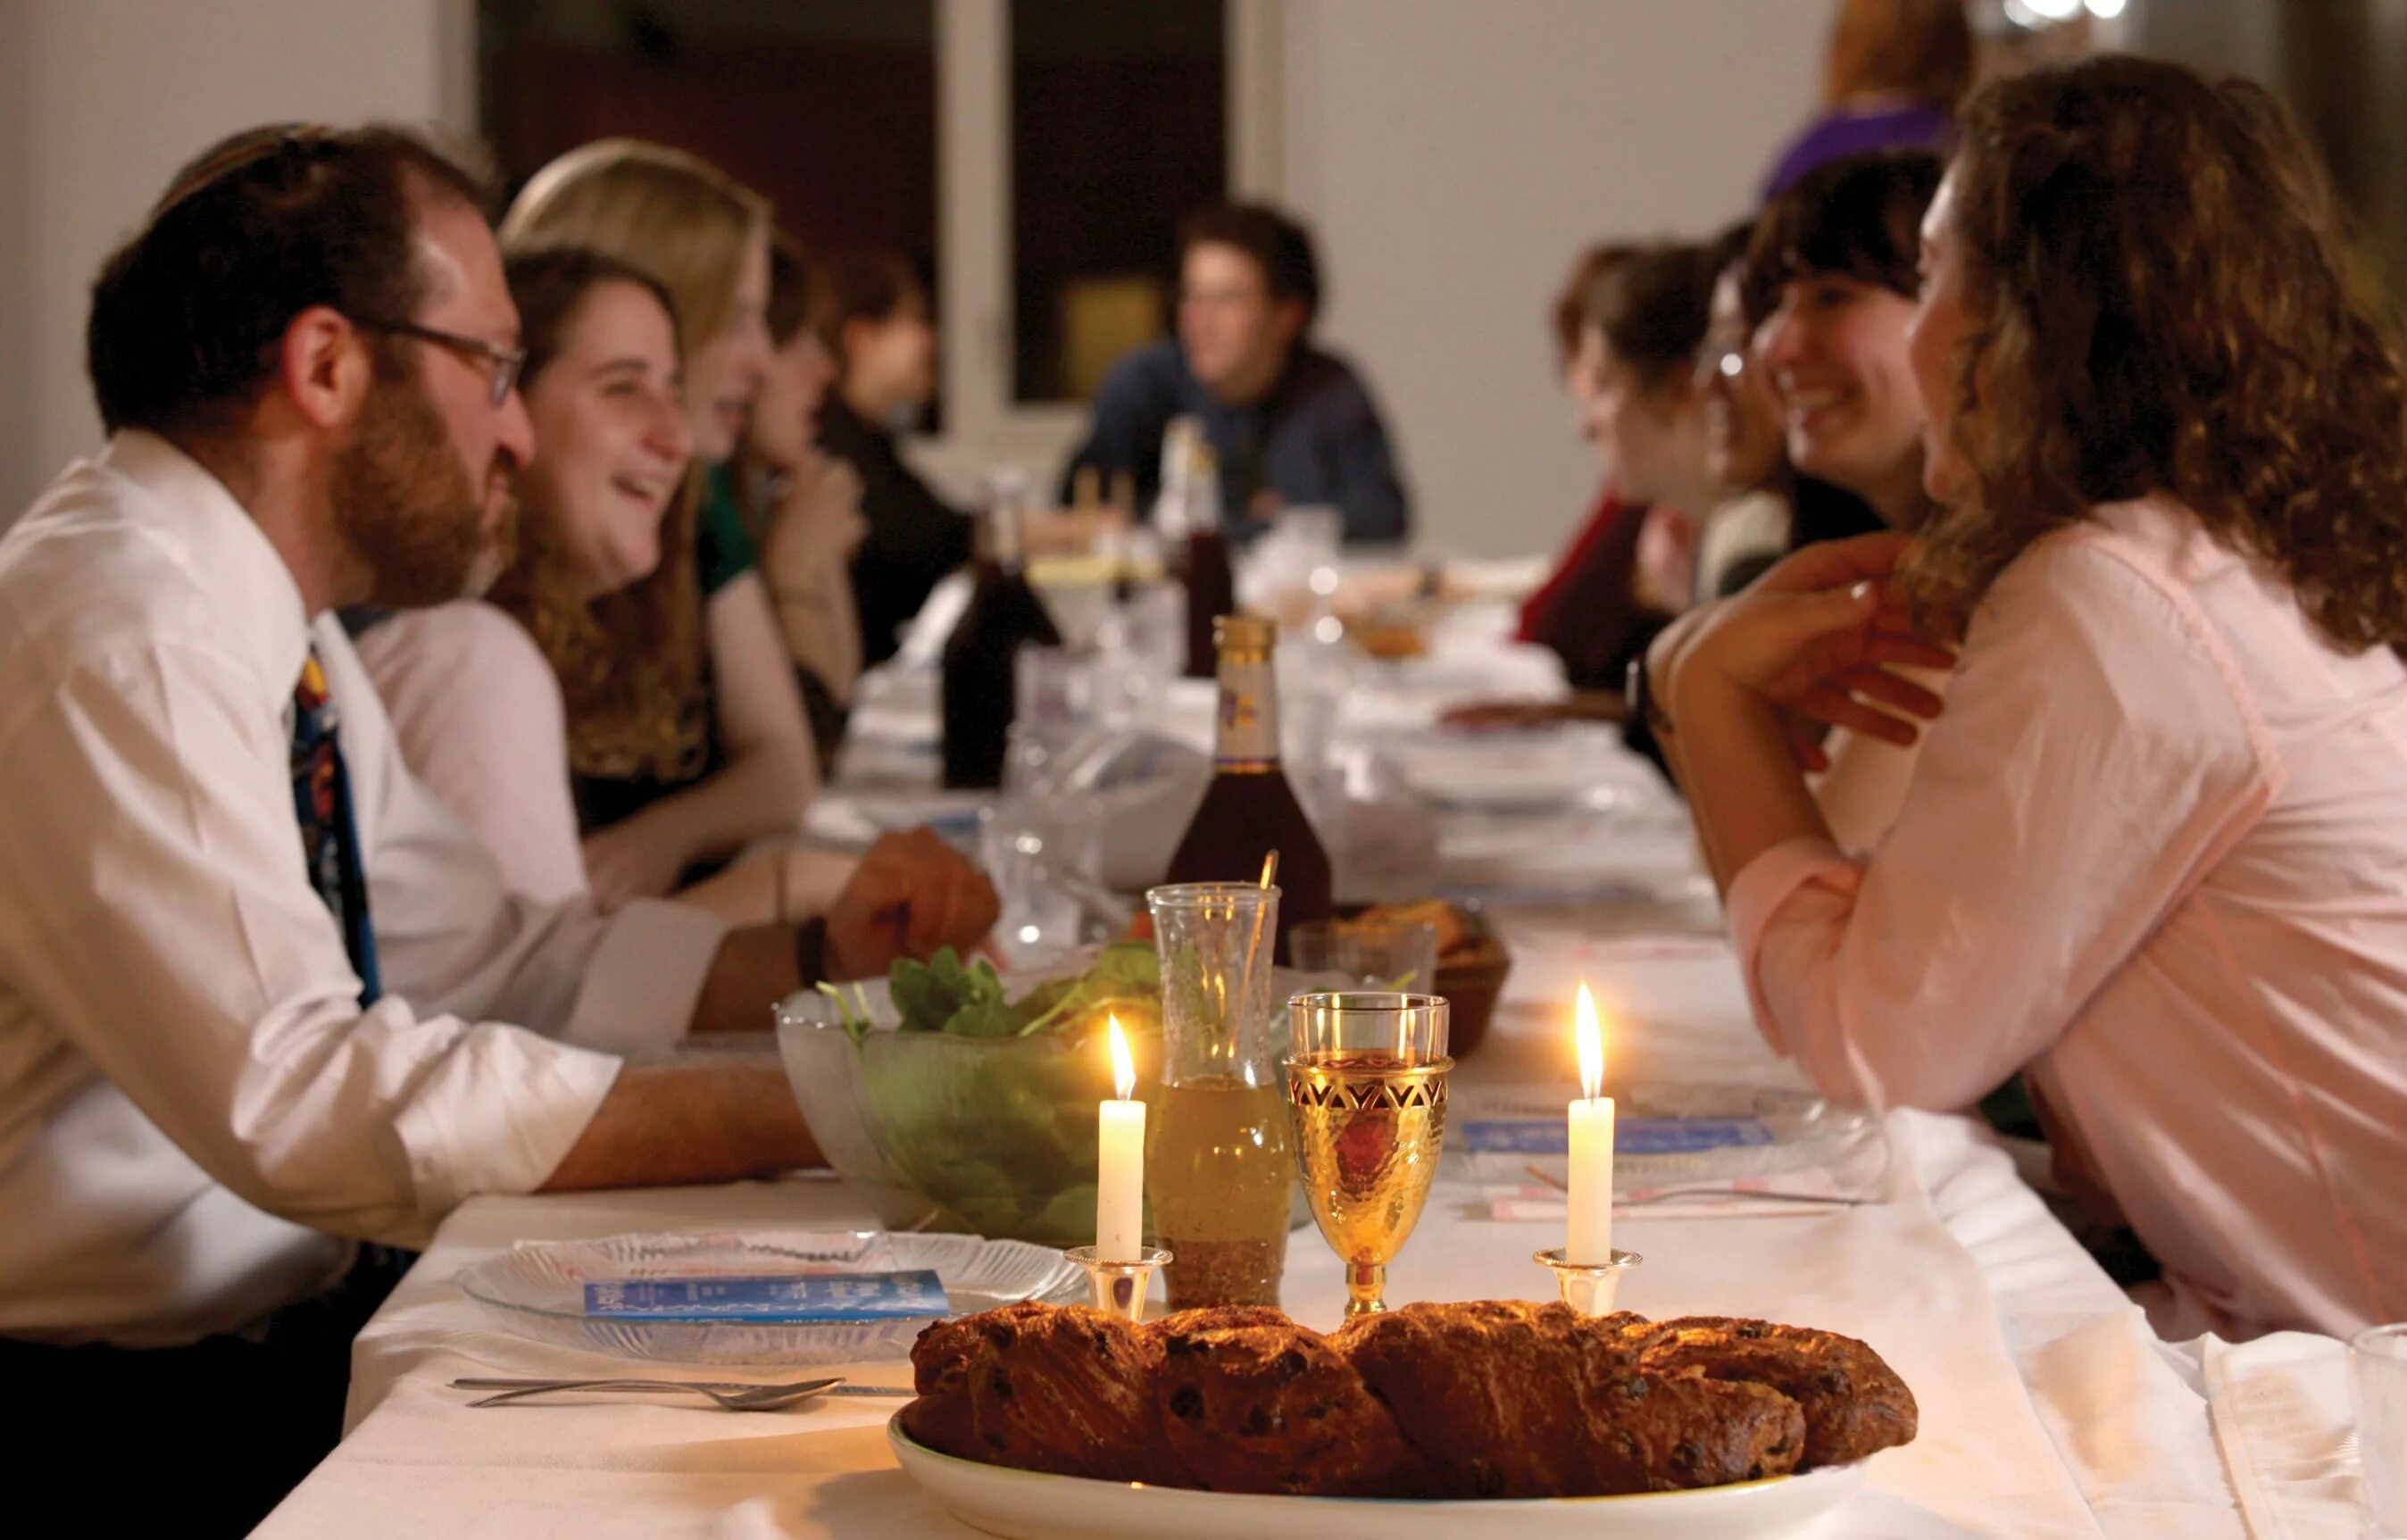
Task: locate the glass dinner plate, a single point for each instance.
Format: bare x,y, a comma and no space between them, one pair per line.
1030,1505
1739,1131
537,1291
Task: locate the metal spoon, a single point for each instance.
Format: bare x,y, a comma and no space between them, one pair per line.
735,1396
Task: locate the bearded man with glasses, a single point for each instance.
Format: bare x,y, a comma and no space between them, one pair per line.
253,981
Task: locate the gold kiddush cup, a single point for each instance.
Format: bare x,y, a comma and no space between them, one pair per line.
1366,1093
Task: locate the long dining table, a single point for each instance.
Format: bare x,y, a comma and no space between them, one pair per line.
2048,1409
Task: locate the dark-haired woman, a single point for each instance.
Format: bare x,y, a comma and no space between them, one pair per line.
1767,509
802,506
2155,853
872,314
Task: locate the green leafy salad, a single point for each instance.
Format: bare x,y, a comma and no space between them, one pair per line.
966,1000
986,1104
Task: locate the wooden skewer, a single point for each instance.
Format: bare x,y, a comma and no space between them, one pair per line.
1270,867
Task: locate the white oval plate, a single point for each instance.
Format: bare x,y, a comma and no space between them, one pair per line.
539,1291
1032,1505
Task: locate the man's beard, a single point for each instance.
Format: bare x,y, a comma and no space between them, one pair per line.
403,506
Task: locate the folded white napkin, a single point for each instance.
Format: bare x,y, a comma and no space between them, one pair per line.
2283,1421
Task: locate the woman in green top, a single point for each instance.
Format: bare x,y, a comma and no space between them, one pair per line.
685,733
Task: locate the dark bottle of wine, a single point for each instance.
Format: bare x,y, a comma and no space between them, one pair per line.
981,656
1210,581
1250,809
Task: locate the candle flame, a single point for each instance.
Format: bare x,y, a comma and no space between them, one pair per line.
1123,1067
1590,1037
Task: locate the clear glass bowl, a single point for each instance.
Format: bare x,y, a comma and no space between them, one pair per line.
990,1136
987,1136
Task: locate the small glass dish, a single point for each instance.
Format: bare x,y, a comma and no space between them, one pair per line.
537,1291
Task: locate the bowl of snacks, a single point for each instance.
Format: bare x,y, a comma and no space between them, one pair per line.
1471,963
948,1089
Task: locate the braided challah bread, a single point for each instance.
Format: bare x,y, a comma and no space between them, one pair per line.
1478,1400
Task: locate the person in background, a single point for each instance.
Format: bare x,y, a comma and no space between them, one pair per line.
1891,80
1627,329
256,989
870,311
1608,538
1768,510
1828,290
686,731
802,507
2155,852
1289,425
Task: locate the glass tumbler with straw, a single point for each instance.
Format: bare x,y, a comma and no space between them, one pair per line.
1218,1169
1366,1087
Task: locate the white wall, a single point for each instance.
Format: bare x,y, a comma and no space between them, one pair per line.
1453,156
103,99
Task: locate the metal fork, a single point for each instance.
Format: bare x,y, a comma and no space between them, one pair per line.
734,1395
1667,1194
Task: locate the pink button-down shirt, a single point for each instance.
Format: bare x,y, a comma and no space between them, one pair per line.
2155,855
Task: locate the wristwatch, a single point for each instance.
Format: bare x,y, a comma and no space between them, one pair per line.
1638,693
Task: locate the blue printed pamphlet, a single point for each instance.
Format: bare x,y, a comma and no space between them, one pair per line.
1631,1136
818,1297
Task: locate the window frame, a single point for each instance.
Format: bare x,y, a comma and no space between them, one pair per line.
984,422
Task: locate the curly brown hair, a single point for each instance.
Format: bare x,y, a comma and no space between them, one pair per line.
629,663
2160,298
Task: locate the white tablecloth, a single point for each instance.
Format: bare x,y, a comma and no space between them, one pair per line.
2048,1409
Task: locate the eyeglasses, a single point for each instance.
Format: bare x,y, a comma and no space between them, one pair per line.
505,363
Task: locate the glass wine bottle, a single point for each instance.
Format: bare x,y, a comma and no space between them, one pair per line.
981,656
1250,809
1210,581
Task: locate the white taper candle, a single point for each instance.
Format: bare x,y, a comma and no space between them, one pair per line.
1119,1162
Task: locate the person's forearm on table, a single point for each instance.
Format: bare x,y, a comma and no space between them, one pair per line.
757,967
666,1125
1732,757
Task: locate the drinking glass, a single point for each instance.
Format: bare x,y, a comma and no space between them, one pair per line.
1378,954
1040,852
2377,1387
1366,1089
1217,1172
1054,688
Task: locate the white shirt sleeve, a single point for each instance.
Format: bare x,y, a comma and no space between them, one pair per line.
477,711
451,936
2095,756
155,914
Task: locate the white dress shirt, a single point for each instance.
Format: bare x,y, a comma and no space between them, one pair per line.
194,1111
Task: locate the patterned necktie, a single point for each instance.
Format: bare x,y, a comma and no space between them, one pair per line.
329,837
